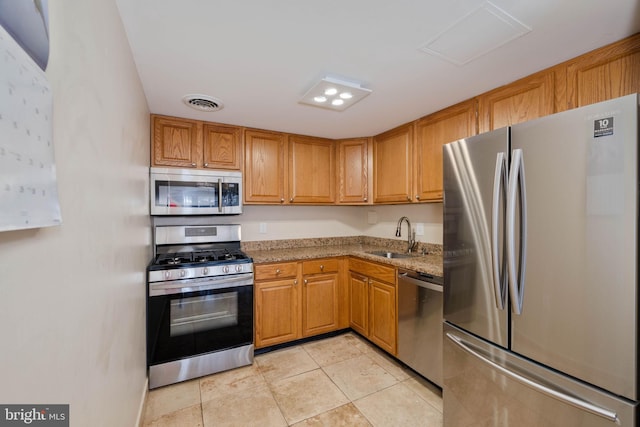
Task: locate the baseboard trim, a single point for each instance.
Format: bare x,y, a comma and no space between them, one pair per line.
143,403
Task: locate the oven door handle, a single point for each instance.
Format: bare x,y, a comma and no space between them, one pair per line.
203,284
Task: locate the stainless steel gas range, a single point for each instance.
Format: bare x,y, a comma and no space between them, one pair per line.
200,303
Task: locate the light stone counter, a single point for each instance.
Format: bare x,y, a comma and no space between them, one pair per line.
303,249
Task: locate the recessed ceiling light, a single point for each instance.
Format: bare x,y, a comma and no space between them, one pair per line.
334,94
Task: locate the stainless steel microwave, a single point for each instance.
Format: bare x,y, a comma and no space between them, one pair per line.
195,192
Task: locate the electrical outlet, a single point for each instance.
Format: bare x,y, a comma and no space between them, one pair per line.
263,228
419,229
372,217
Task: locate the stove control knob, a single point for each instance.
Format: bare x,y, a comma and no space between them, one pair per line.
183,273
167,274
239,268
205,270
225,269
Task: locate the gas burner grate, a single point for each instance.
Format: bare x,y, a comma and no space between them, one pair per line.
174,258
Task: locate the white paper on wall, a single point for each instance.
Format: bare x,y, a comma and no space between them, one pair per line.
28,187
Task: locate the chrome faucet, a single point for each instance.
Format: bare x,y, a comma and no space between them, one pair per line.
411,238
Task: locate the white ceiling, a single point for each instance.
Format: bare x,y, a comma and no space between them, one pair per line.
260,57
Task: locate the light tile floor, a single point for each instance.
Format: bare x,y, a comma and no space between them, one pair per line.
337,381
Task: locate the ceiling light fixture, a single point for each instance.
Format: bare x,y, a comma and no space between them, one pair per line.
334,94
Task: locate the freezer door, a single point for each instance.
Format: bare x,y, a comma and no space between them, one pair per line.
579,306
474,172
485,385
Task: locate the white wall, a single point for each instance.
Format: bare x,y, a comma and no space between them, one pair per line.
72,297
294,222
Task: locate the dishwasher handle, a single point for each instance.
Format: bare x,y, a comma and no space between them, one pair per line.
404,276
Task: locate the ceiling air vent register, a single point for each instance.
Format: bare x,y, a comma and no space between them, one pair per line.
204,103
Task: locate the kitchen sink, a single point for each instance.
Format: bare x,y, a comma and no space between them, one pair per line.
387,254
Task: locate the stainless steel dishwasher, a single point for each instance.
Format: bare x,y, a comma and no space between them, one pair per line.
420,323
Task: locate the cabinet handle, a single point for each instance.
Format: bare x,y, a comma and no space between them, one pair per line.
281,200
417,197
206,165
277,271
295,282
193,165
291,200
409,198
306,281
321,267
365,199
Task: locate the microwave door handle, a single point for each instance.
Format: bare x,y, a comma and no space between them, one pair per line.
219,195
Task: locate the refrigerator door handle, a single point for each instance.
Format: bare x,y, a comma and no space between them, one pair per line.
556,394
499,186
516,182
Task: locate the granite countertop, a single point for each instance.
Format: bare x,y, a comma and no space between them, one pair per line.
302,249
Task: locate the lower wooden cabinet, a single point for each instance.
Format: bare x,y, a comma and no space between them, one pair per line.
295,300
277,303
359,303
383,320
372,303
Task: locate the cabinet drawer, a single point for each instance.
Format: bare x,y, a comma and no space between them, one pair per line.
278,270
324,265
374,270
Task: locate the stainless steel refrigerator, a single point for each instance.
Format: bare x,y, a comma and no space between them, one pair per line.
540,272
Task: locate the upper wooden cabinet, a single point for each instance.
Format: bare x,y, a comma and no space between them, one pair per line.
392,166
188,143
518,102
312,171
176,142
354,158
605,73
265,167
222,147
432,132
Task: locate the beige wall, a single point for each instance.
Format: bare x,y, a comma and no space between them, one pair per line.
72,307
295,222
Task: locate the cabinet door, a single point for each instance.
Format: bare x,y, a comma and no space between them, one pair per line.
432,132
358,302
392,170
312,172
518,102
221,147
604,73
176,142
264,167
353,171
319,304
277,312
383,319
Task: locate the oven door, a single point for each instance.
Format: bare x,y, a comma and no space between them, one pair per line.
195,192
196,320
